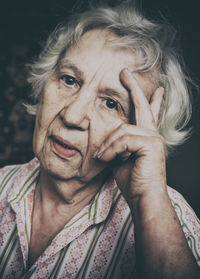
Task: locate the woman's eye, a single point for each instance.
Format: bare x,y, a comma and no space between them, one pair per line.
69,80
111,104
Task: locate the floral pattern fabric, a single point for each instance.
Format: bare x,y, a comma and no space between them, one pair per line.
97,243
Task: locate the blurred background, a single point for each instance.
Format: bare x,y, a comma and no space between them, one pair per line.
24,26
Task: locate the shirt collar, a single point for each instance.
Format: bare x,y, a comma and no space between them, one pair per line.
100,207
21,199
25,182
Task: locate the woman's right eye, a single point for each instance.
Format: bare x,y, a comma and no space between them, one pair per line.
69,80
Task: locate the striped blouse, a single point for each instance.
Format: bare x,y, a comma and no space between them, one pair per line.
97,243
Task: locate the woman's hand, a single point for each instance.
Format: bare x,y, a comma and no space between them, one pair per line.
139,149
161,247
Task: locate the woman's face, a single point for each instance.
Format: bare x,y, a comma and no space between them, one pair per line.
81,105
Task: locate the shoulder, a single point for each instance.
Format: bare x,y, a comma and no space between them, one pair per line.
14,174
188,220
182,208
7,173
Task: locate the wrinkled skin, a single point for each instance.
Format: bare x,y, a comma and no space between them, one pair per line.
107,113
79,113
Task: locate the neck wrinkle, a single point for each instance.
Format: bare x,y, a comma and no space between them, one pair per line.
68,194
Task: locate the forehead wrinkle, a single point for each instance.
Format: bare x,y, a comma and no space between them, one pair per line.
68,64
107,45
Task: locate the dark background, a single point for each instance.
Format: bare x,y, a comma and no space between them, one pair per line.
24,25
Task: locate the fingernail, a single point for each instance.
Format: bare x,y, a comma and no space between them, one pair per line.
97,154
125,156
127,71
161,88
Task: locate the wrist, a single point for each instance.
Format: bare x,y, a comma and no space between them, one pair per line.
150,204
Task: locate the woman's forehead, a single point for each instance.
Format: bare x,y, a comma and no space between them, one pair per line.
100,49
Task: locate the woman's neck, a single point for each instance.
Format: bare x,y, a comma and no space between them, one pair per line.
59,194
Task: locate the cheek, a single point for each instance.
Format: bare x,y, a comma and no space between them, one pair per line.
38,136
43,121
101,127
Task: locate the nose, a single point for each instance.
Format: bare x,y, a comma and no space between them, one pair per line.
76,113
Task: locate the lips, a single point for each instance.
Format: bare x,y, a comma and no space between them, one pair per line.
63,147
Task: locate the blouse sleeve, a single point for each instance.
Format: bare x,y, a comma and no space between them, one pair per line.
189,222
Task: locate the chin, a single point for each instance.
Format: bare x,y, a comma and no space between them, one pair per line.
59,168
71,168
61,173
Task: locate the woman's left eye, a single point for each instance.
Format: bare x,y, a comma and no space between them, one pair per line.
111,104
69,80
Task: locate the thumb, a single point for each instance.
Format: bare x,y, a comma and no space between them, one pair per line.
121,173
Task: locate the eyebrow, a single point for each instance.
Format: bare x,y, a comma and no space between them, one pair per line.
66,63
113,92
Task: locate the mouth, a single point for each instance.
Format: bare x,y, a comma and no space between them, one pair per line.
63,148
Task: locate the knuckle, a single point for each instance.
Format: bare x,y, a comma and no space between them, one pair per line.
123,127
125,139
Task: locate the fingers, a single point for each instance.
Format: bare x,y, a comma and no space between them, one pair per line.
136,92
117,147
155,102
146,115
127,138
127,144
128,130
143,115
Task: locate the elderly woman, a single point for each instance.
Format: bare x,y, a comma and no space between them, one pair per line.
111,99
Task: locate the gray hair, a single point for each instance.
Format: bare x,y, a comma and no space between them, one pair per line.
152,41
